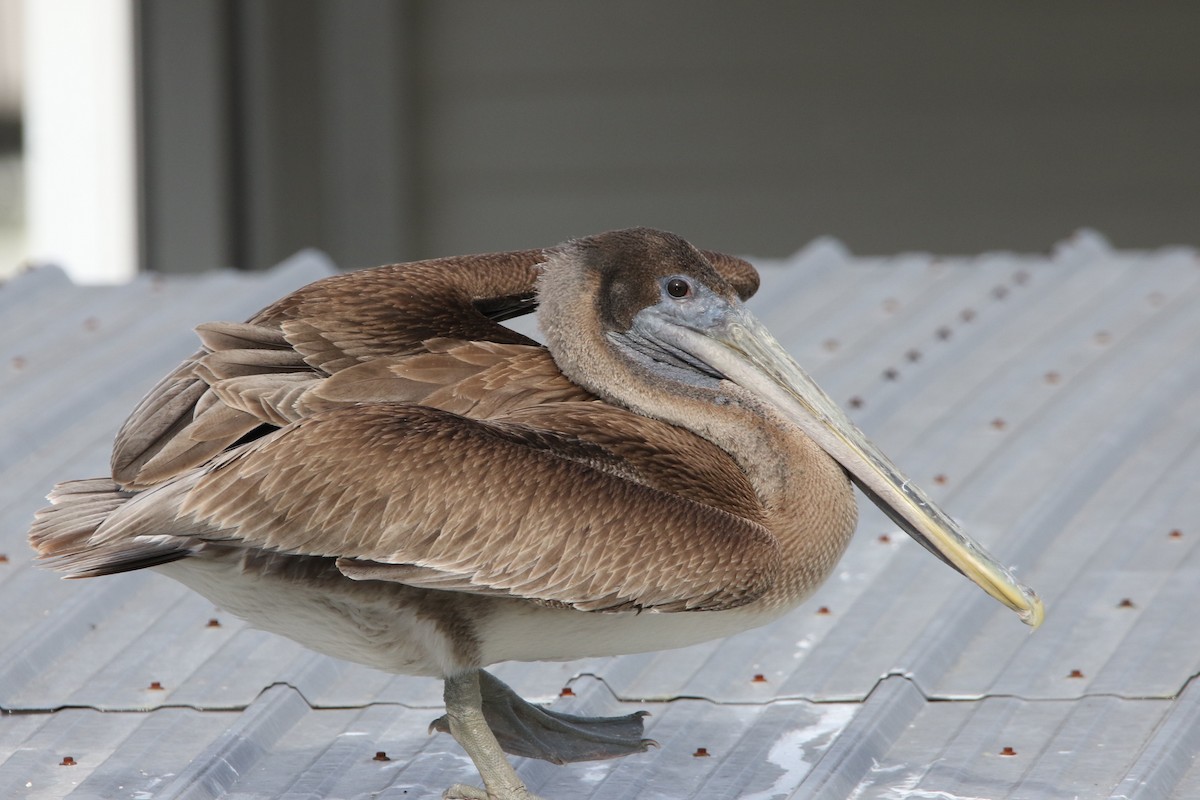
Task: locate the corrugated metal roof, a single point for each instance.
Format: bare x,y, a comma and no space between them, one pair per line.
1051,402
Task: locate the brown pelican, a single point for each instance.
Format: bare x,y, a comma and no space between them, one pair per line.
377,468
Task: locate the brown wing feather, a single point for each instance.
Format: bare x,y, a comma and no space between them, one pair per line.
661,455
491,507
353,317
481,380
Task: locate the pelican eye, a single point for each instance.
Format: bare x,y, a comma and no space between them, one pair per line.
678,287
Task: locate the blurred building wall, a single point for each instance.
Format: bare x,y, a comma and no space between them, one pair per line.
382,130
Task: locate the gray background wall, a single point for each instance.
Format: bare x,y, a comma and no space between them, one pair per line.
383,131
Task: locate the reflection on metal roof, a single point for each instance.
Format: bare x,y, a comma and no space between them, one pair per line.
1052,403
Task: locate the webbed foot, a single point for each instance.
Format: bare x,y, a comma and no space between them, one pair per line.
532,731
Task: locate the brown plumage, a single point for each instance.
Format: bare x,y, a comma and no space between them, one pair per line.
405,331
377,468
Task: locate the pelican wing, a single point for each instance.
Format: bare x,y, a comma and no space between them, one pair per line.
430,498
252,377
333,323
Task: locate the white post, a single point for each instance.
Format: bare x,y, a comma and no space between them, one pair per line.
80,138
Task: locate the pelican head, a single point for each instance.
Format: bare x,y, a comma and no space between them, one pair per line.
667,318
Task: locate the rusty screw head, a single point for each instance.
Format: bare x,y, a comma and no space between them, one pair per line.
155,686
999,424
3,558
567,691
855,402
381,755
1008,751
940,479
884,538
213,623
1075,673
1125,603
824,611
1176,534
701,752
759,678
67,762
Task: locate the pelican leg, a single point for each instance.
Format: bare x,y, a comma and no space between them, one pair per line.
466,723
532,731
